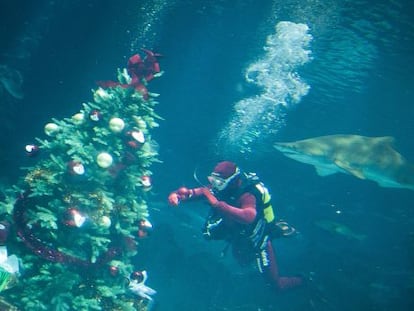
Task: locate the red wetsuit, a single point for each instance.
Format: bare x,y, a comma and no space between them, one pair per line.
235,218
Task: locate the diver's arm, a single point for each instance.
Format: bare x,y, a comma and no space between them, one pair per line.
244,215
195,193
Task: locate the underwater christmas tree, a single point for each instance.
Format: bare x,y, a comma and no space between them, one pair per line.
68,240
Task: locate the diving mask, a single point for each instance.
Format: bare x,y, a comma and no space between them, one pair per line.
219,183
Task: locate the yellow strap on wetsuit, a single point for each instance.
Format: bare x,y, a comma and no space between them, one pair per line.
268,213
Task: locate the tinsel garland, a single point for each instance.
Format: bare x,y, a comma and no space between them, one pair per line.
40,248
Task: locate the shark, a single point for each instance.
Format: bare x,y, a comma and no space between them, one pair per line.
341,229
369,158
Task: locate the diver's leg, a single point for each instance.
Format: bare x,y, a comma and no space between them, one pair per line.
242,253
266,260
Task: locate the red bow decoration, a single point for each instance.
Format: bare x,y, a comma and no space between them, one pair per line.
140,70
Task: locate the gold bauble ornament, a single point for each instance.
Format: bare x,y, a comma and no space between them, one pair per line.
104,160
51,129
116,125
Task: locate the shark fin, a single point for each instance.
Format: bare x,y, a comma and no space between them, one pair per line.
323,171
351,170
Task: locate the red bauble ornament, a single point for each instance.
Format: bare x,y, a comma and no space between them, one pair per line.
144,228
95,115
32,150
113,270
4,231
137,135
137,276
129,158
136,138
146,182
114,170
130,244
73,218
76,168
133,144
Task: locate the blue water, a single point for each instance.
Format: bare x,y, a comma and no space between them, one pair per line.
358,80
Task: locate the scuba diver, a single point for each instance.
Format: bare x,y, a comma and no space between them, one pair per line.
241,213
